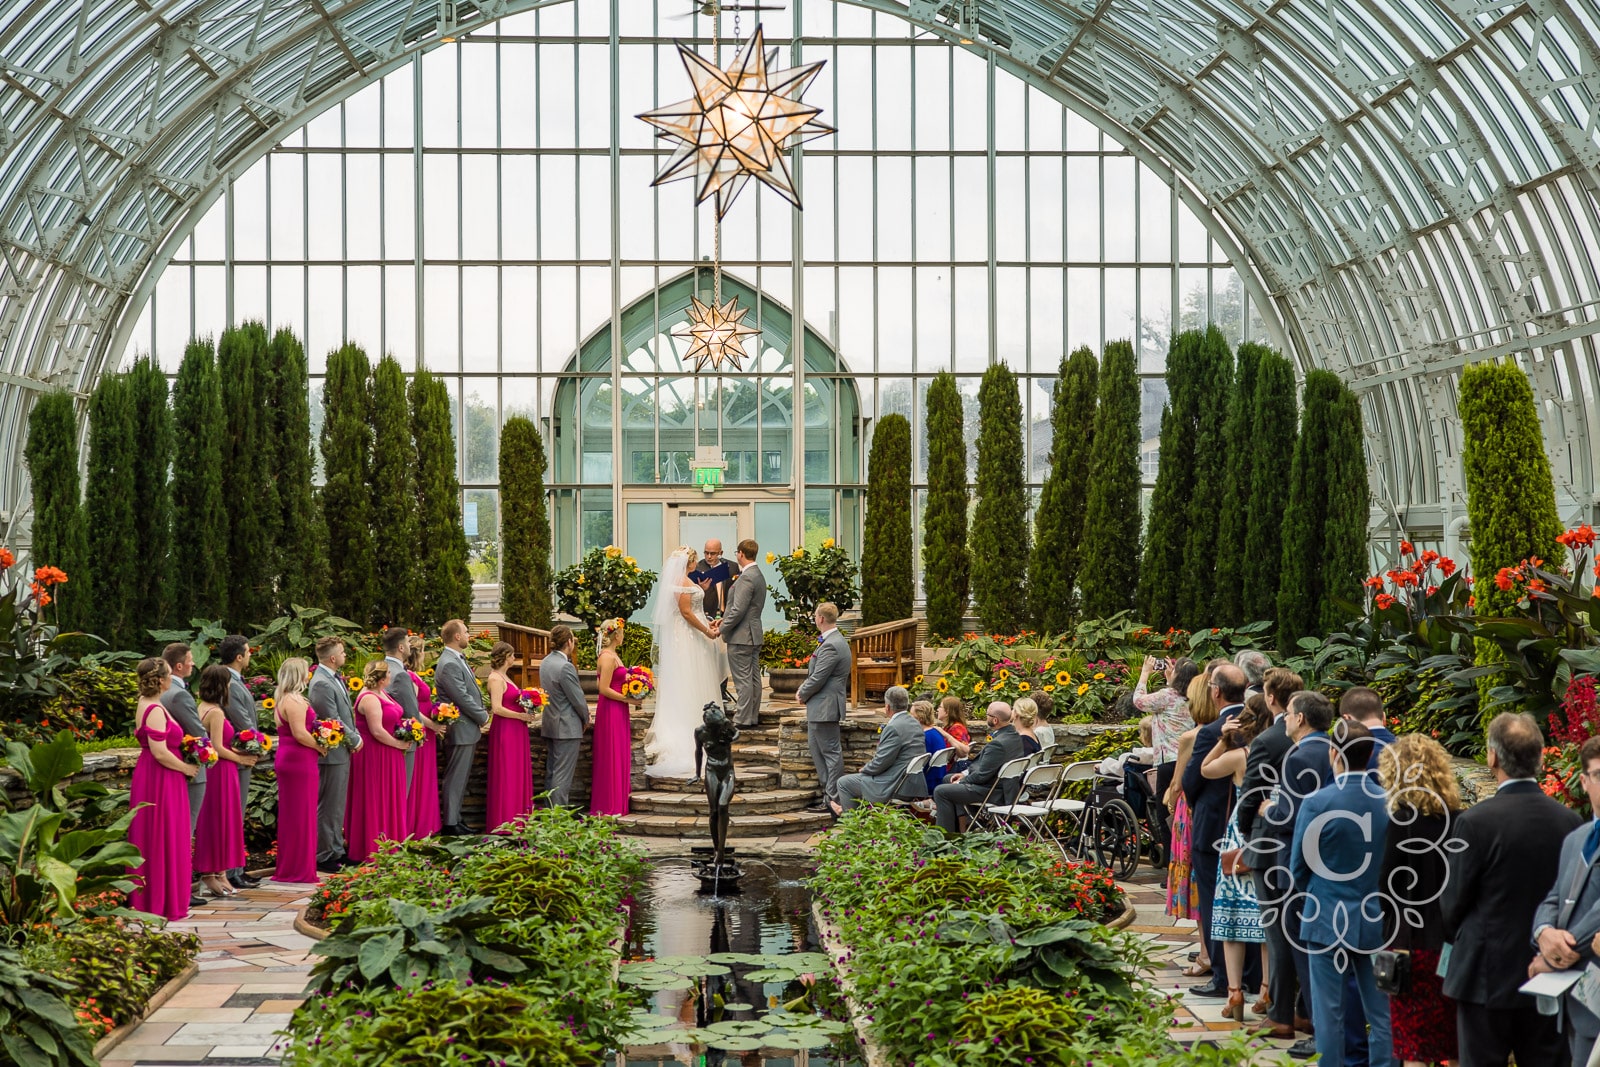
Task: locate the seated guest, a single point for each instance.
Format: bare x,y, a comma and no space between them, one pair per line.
970,787
898,744
1042,730
951,722
933,739
1568,921
1025,714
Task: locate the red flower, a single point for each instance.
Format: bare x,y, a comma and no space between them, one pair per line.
1374,582
1505,578
1536,585
49,575
6,559
1432,589
1447,566
1472,601
1406,548
1384,601
1582,537
1429,556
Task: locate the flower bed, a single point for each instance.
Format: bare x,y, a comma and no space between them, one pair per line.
986,949
474,950
111,970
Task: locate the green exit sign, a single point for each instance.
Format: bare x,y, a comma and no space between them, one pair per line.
708,477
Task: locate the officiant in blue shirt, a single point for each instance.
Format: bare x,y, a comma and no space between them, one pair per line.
714,574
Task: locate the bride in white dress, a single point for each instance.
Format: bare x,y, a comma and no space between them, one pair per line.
690,666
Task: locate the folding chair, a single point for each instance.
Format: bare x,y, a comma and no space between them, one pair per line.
1084,771
1047,754
1029,816
913,769
1009,771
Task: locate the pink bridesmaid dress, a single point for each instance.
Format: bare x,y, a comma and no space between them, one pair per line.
377,804
424,799
298,779
510,765
613,752
219,837
161,829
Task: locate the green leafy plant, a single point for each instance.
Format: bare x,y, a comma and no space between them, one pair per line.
1233,521
1058,522
637,649
113,969
37,1027
111,527
300,561
525,522
346,492
812,577
1212,389
1000,534
417,946
604,584
1273,430
199,521
444,582
1109,574
251,493
1161,575
394,498
787,649
261,809
51,453
946,560
152,429
887,585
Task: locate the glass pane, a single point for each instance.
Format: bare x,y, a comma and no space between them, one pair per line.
483,431
480,519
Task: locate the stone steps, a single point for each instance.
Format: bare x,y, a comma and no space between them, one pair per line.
739,826
752,779
745,802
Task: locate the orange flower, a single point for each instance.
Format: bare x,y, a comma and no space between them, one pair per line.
49,575
1505,578
1374,582
1384,601
1536,585
1447,566
6,558
1406,548
1582,537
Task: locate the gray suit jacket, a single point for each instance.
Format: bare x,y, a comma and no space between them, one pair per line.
241,709
330,699
826,690
180,704
402,688
747,598
900,742
1573,905
454,683
568,711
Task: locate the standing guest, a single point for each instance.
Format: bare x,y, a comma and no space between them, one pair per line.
1168,708
825,695
1514,841
613,726
899,742
1423,802
510,755
1183,893
377,808
402,690
330,699
1363,705
298,780
160,802
1042,730
1568,921
951,800
951,722
456,684
219,841
1254,664
423,793
1025,714
932,741
565,717
234,654
740,630
180,704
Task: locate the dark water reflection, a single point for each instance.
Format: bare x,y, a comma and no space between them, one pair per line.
772,914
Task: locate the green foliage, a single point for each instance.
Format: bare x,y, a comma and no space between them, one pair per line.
300,559
113,969
946,560
346,496
822,576
525,582
394,499
458,943
1233,523
526,885
261,808
1058,525
152,429
199,522
444,583
250,496
1110,570
1344,537
887,584
786,649
90,701
604,584
636,650
33,653
1000,520
38,1027
1301,590
1272,441
1213,393
51,453
110,515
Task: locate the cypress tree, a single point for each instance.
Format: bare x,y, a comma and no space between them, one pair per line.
199,521
1058,538
1305,520
1000,521
525,595
887,582
394,498
248,496
1213,394
111,517
1161,578
946,559
346,493
301,560
1234,521
1272,444
1109,575
444,582
152,460
51,453
1344,537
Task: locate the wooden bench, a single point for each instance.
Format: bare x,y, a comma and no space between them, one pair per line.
881,656
532,645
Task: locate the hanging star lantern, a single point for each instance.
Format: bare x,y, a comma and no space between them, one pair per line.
715,333
738,124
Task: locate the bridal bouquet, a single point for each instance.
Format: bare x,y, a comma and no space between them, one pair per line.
638,683
446,714
409,729
330,733
531,700
252,743
198,750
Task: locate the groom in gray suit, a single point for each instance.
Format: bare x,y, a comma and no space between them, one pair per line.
566,716
740,629
234,652
330,699
456,684
825,693
900,742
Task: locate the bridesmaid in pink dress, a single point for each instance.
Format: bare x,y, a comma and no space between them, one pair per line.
298,776
377,805
613,731
219,837
510,762
423,801
161,782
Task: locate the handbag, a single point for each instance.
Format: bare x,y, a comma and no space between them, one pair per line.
1233,862
1391,971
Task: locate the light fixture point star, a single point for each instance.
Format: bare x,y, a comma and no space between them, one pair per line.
715,333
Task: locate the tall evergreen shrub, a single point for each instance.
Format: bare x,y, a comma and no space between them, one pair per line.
111,516
1302,592
301,557
1000,520
51,453
525,589
1344,538
346,492
1161,578
1213,395
394,499
887,582
444,583
199,520
152,461
1233,522
946,559
248,495
1273,429
1058,527
1109,575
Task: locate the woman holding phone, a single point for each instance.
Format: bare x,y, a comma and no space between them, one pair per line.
1168,709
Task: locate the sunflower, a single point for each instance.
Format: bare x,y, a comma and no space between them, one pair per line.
1023,687
977,687
1047,665
353,683
943,685
268,704
1004,674
917,680
1063,678
1082,689
1100,676
1049,689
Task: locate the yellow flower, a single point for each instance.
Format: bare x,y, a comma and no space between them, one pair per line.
943,685
1023,687
630,561
1049,689
1063,678
771,558
1082,689
799,553
353,683
1047,665
1004,674
612,552
1100,676
580,580
827,542
978,688
917,680
950,673
268,704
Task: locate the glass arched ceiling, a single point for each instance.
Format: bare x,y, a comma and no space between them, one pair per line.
1411,185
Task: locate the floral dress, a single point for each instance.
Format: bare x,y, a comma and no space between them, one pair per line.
1235,914
1183,896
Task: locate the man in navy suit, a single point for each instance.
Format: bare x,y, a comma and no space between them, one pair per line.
1363,705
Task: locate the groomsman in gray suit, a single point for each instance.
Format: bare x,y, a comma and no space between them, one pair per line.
180,704
401,689
825,693
566,716
330,698
900,742
740,629
454,683
234,654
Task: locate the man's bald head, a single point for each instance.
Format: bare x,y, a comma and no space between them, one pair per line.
1000,712
1230,683
713,548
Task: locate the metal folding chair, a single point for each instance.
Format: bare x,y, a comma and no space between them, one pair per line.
1029,816
915,768
1084,771
1009,771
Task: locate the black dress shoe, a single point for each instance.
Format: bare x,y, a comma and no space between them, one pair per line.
1303,1050
1212,988
1194,955
196,900
243,881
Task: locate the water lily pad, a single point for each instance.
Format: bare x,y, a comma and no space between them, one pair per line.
804,961
831,1026
735,957
738,1007
797,1039
738,1027
790,1019
729,1043
664,985
671,1037
772,974
650,1020
701,969
676,961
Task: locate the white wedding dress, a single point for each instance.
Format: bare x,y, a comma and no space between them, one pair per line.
689,672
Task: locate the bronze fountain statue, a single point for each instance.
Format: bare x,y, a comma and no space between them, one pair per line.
713,760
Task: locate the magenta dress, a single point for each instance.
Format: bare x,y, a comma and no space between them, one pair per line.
298,778
160,830
424,798
510,765
219,836
613,752
377,804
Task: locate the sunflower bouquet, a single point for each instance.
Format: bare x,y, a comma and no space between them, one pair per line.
446,714
198,750
532,701
252,743
409,729
330,733
638,683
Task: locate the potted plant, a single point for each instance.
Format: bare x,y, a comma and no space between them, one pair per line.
812,577
785,655
604,584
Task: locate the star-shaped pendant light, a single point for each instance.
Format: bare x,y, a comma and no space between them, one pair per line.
738,124
715,334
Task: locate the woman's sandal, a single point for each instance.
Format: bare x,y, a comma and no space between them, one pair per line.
1197,970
